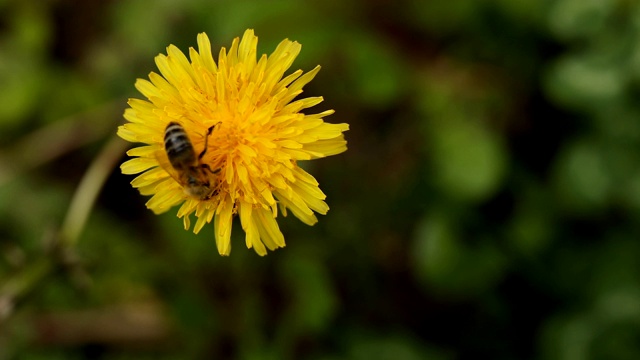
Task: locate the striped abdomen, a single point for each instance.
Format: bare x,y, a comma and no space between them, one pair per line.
178,147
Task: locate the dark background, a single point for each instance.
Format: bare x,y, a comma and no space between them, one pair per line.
488,205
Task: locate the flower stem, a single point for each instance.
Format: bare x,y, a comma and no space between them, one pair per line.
88,190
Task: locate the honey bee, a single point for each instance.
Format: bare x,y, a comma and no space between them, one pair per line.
189,171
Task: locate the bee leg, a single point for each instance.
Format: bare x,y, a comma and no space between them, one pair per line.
213,193
207,167
206,139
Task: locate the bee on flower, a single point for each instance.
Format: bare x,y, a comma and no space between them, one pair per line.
224,139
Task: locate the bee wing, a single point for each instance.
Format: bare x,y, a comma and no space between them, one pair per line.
163,161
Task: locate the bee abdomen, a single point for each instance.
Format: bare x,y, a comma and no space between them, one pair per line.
178,146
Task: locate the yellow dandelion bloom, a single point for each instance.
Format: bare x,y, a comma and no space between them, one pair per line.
225,139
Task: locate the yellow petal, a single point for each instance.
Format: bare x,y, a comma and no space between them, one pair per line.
143,151
222,223
247,50
137,165
312,196
149,177
252,237
269,231
327,147
180,65
297,207
204,47
147,88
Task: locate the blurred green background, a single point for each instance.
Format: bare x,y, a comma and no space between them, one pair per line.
488,205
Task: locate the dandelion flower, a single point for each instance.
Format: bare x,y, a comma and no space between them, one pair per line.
235,134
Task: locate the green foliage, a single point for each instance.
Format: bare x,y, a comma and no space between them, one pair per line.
447,265
487,207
